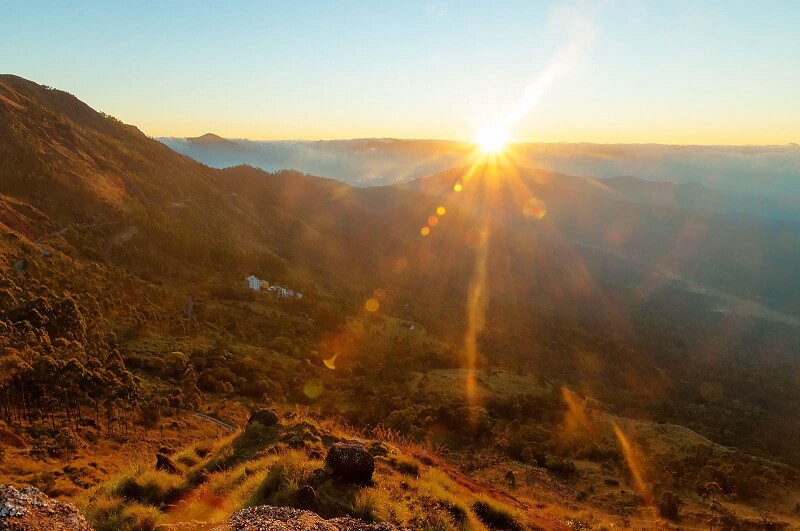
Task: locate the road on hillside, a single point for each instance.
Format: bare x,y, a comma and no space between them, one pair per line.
118,239
214,420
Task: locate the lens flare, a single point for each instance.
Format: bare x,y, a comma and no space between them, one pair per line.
371,305
313,389
632,458
425,231
433,221
330,362
457,187
441,211
534,209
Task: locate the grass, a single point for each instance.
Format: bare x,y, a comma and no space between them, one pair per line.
286,474
253,467
152,487
114,514
188,458
445,498
405,465
496,515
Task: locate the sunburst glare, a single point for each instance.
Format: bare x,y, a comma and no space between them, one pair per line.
492,139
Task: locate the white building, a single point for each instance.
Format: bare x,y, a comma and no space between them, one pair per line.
253,283
285,292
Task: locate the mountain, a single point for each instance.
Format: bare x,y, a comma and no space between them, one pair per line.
697,197
210,140
653,227
760,174
610,349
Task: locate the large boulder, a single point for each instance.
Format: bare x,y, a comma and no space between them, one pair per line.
290,519
264,416
350,461
29,510
165,464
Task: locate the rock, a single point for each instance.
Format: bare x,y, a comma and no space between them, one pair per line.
306,496
314,455
30,510
166,464
351,461
9,438
264,416
317,477
295,442
199,477
377,448
329,440
266,517
301,435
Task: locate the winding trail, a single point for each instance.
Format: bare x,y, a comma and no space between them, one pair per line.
118,239
214,420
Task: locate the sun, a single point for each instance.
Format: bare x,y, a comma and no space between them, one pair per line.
492,139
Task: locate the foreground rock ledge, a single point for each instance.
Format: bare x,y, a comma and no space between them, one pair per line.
268,518
30,510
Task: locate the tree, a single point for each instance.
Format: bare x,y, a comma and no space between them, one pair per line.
669,505
708,490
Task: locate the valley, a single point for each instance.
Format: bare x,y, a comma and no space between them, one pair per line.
595,390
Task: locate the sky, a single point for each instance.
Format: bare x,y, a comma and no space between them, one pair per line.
616,71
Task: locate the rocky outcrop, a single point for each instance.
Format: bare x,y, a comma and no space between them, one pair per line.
266,517
350,461
30,510
264,416
165,464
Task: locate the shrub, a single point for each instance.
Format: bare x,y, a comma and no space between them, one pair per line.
137,517
114,514
151,488
290,470
188,458
669,505
405,466
372,505
495,515
434,520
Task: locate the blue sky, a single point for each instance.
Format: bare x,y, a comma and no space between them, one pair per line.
620,71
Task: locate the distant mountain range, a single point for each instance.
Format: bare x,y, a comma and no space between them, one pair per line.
751,180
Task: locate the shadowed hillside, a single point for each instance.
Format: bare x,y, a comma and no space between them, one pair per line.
541,339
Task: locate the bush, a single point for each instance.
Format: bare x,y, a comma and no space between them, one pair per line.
405,466
151,488
669,505
372,505
289,471
188,458
496,515
113,514
137,517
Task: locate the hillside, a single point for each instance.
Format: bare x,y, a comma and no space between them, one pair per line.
505,327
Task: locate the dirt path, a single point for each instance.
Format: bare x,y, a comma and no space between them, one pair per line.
57,233
215,421
118,239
